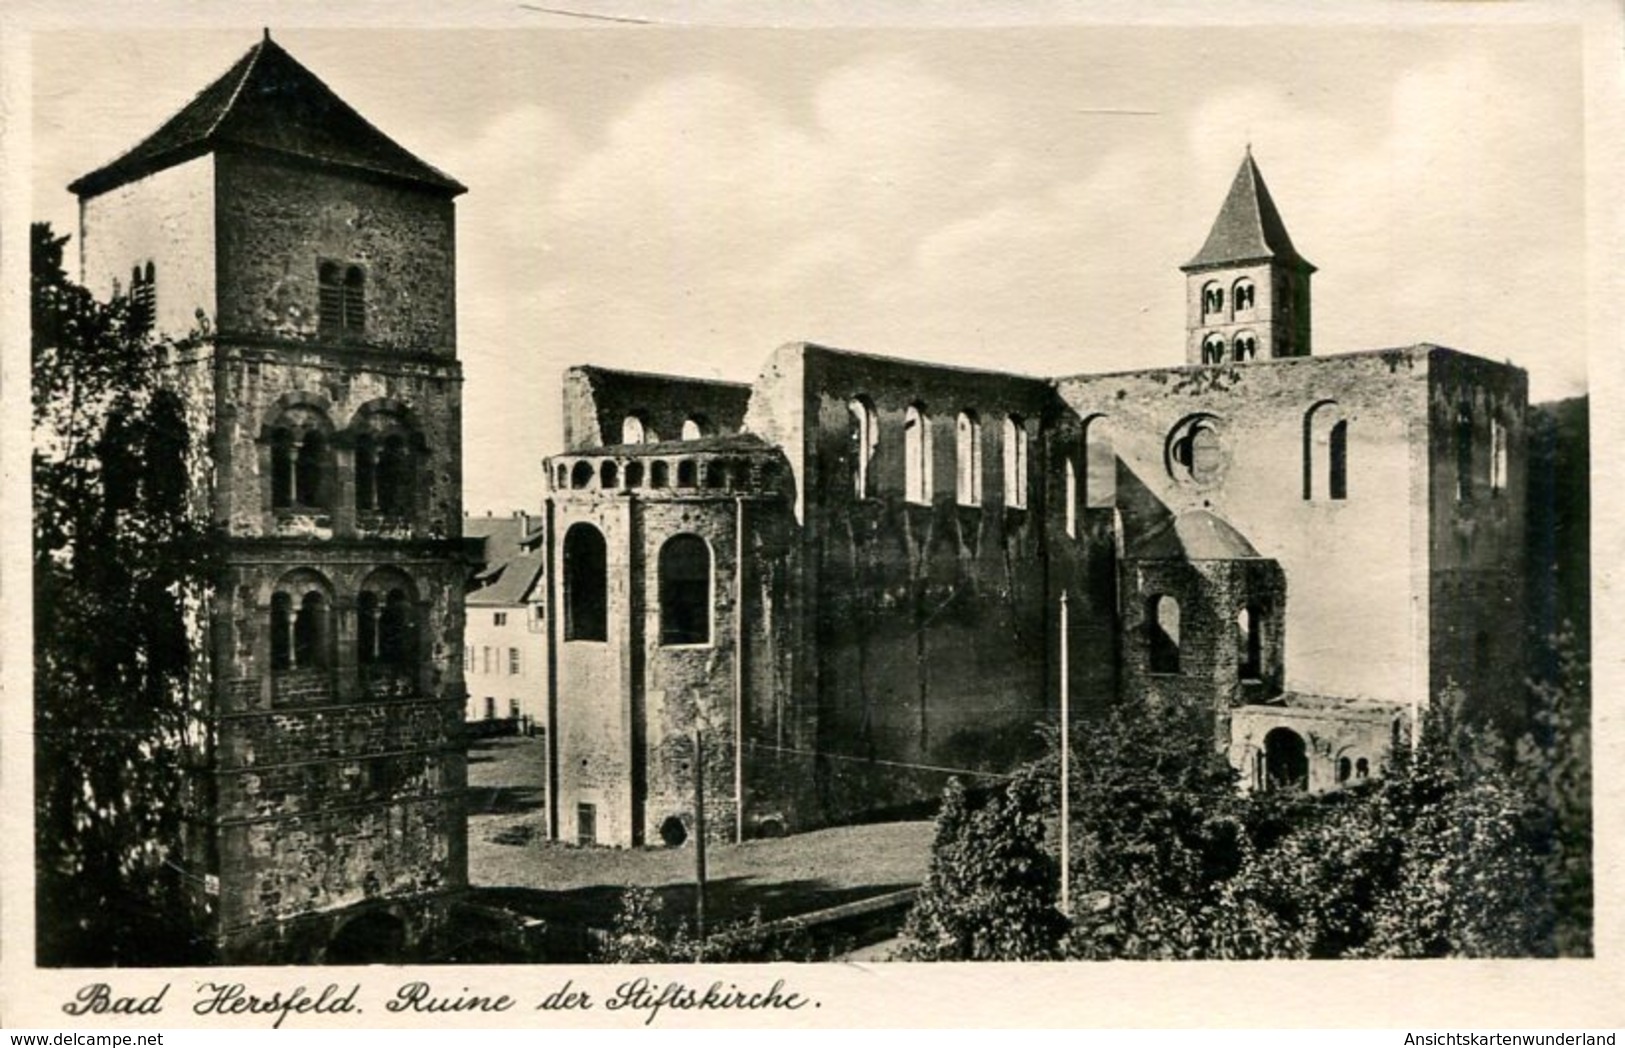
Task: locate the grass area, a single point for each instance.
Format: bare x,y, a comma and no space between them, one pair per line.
514,865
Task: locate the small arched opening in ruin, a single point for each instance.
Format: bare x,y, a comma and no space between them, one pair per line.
1286,760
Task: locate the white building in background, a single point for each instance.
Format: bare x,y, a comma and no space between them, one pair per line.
505,641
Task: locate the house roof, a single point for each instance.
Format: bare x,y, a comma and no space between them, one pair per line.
1194,535
268,101
1249,228
513,582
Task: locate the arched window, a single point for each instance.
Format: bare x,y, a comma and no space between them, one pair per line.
1241,295
1344,769
282,460
342,298
309,471
865,436
659,474
1498,457
968,459
563,476
917,455
1212,299
716,474
1070,505
1325,452
301,623
634,474
1246,346
633,431
395,476
1362,769
1162,630
1464,453
1213,349
366,473
1337,461
300,458
1015,462
609,475
581,475
696,427
586,584
1286,760
687,474
685,591
1099,464
1249,645
385,629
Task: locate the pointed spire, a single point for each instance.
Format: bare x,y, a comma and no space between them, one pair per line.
268,102
1249,228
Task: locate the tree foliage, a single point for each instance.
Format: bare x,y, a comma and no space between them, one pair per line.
117,555
990,892
1470,846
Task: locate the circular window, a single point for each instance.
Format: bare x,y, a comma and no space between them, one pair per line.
1195,453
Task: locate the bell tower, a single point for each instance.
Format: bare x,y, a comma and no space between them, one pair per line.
1247,290
316,258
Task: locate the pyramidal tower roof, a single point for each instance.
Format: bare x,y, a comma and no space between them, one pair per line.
1249,228
269,102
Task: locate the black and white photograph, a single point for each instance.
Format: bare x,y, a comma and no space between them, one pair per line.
604,487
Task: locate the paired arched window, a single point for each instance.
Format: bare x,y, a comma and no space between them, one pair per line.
586,583
301,623
865,438
1213,349
1162,633
917,485
1325,452
143,297
1241,295
1015,462
342,294
385,629
1212,299
1245,347
301,460
685,591
968,459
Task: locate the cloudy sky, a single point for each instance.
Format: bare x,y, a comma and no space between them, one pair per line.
688,199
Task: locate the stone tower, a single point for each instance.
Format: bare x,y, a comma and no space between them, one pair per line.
1247,290
325,812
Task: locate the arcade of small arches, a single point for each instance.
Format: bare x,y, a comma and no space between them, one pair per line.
303,630
687,473
380,454
636,429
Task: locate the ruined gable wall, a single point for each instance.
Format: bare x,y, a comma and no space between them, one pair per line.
1355,568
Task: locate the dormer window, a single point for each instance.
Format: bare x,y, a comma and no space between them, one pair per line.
342,290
